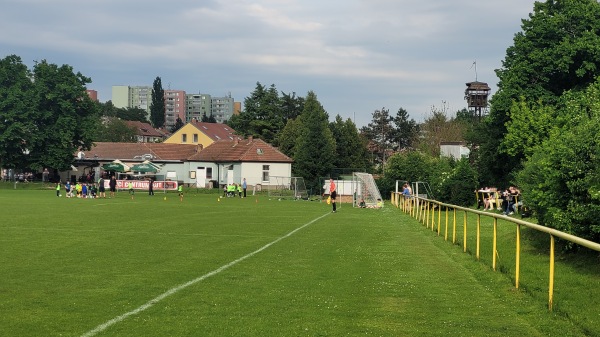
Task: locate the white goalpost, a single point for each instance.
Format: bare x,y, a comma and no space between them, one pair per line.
366,190
287,187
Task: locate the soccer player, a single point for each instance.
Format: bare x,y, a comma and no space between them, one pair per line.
131,191
332,193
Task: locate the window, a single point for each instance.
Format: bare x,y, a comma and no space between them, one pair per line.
265,174
209,173
195,138
184,138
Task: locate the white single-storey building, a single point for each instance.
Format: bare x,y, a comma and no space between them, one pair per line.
222,162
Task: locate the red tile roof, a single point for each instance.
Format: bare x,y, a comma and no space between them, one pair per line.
215,131
244,150
144,129
141,151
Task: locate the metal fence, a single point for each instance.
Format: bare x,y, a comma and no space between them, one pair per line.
429,213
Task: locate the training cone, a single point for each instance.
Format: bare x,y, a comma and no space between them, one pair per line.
165,198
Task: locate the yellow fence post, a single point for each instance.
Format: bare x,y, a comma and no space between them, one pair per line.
454,228
495,247
465,233
432,216
426,217
446,231
518,256
551,285
439,218
478,235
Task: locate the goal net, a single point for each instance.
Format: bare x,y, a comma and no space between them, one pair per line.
287,187
366,190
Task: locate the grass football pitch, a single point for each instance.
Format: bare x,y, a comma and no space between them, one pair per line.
205,266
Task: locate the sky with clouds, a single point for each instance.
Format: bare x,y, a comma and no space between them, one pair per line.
356,55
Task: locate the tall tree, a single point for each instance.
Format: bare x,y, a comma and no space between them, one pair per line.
17,115
380,133
265,113
157,107
178,125
315,149
115,130
133,114
351,147
66,117
558,49
291,106
438,128
406,131
561,179
286,139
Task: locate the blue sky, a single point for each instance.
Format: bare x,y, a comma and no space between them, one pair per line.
356,55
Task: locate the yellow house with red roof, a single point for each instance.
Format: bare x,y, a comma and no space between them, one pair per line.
201,133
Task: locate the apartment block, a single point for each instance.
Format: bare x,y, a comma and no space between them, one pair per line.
197,105
175,107
124,96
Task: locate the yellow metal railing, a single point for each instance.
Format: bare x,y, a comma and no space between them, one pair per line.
424,210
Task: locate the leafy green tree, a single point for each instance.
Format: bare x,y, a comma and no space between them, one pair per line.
557,50
315,149
211,119
115,130
406,131
107,109
560,181
351,147
262,116
438,128
287,138
133,114
291,106
17,115
66,118
409,166
380,133
178,125
456,186
157,107
527,128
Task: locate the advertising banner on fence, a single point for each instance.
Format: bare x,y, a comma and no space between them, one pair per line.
143,185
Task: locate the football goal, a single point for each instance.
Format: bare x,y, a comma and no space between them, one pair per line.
287,187
366,190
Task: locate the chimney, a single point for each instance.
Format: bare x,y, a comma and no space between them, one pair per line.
236,141
250,140
199,148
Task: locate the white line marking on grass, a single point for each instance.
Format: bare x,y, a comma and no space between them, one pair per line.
176,289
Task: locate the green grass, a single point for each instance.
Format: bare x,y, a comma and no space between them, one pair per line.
70,265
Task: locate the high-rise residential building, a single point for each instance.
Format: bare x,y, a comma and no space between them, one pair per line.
175,106
93,94
197,105
120,96
222,108
124,96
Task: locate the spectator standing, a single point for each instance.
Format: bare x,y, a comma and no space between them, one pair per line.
332,194
112,186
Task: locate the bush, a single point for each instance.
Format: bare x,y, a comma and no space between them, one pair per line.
560,181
